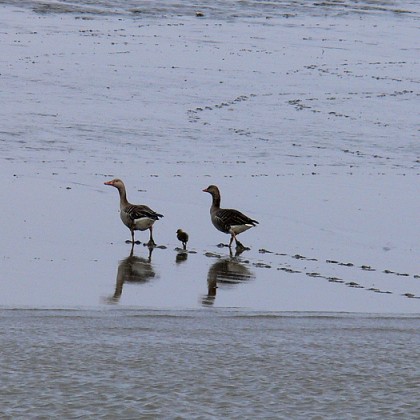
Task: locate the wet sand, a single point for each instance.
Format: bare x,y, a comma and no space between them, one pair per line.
307,125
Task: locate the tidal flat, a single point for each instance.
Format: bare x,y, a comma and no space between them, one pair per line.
305,120
305,114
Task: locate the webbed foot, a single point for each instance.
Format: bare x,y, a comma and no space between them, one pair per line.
240,247
131,242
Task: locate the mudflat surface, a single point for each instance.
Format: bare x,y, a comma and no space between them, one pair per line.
307,122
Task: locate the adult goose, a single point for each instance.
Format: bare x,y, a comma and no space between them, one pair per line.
228,220
135,217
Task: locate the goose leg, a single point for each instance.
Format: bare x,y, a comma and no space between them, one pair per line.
151,241
238,244
231,240
132,238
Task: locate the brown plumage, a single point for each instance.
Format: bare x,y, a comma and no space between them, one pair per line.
228,220
135,216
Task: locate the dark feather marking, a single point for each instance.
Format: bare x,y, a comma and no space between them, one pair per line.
230,217
138,212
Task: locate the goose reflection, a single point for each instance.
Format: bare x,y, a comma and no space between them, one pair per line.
225,273
133,269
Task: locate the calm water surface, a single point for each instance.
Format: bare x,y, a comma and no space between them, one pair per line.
311,106
200,364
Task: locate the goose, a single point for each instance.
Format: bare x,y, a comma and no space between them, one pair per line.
183,237
228,220
135,216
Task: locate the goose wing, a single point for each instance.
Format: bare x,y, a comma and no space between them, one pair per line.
231,217
141,211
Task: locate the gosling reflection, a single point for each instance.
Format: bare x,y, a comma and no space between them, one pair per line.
181,256
225,273
132,269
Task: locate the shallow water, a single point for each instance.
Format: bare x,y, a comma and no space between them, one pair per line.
207,364
304,114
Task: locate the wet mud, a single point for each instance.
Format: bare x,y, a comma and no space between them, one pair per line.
314,136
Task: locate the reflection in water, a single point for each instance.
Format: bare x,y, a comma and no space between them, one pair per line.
225,272
132,269
181,256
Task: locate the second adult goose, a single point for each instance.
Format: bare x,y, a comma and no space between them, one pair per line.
228,220
135,216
